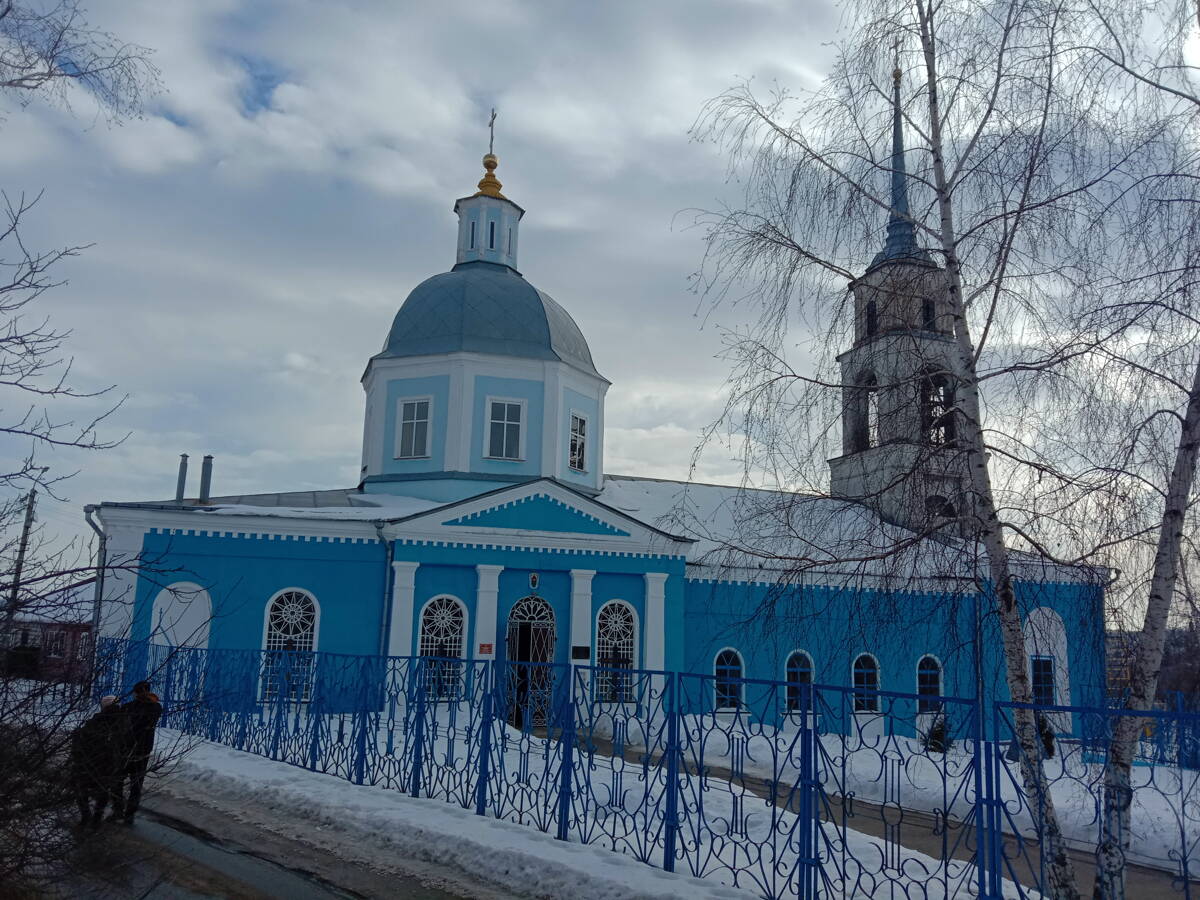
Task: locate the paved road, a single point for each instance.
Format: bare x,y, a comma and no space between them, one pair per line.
180,850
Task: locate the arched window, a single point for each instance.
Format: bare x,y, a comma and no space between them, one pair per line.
443,630
866,678
929,685
491,235
864,423
728,671
289,641
871,318
799,677
937,409
616,646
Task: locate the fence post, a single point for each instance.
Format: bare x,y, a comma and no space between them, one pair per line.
566,741
671,813
418,756
363,715
485,741
809,802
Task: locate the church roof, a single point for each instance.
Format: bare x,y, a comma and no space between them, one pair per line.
741,534
484,307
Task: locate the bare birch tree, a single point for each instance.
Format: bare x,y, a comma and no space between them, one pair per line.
1056,196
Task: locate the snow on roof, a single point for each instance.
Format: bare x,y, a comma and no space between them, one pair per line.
753,534
745,534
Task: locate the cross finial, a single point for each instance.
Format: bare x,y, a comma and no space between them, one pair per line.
492,131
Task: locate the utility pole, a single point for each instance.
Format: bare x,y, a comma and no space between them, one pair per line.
16,582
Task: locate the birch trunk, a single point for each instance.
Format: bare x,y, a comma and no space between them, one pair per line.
1148,655
1061,871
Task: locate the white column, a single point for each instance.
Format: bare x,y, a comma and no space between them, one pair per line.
655,637
581,613
404,582
487,594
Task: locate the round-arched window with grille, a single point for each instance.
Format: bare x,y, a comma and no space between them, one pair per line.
616,649
443,627
292,622
290,640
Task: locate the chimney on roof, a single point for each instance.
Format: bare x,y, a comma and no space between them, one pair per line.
205,477
181,483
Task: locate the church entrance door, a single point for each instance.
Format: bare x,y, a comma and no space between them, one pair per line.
530,647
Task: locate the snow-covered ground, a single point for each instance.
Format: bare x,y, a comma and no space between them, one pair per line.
515,858
729,835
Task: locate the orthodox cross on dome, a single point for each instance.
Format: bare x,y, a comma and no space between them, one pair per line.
489,186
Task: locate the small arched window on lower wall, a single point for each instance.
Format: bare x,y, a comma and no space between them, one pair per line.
866,681
929,685
799,671
443,630
727,669
616,648
290,637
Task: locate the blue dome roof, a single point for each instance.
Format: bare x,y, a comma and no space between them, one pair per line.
483,307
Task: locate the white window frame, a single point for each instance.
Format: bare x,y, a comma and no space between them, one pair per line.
521,432
587,426
400,427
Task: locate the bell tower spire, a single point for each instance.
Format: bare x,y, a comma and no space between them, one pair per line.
901,240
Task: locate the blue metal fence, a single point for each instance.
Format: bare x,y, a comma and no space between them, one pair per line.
786,790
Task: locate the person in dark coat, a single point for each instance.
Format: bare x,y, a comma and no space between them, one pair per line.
141,716
97,758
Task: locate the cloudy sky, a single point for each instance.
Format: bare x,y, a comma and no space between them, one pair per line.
255,233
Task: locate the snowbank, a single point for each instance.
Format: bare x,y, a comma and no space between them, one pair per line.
513,857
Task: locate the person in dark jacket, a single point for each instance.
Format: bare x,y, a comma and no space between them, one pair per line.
97,758
141,716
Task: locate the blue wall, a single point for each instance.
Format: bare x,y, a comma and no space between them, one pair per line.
242,574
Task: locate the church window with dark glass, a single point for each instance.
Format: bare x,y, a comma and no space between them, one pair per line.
443,625
937,409
1042,679
616,637
871,317
491,235
799,680
289,643
413,438
578,453
928,315
727,670
504,429
866,681
472,244
929,685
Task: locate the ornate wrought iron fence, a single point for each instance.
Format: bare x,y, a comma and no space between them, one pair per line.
785,789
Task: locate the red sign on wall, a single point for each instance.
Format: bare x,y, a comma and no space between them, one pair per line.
485,649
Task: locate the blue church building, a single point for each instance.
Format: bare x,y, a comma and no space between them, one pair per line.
484,527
